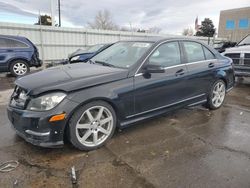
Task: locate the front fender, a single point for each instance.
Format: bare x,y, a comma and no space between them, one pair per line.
118,94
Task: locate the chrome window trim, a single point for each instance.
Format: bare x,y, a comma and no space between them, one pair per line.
184,64
173,66
139,74
161,107
203,61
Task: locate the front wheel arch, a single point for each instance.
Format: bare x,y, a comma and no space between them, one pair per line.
89,101
76,114
16,59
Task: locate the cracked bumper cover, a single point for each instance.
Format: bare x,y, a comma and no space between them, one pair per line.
35,128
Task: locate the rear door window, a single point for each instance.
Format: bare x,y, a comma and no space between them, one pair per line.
208,53
194,51
3,43
10,43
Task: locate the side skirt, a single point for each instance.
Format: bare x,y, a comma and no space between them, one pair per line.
131,121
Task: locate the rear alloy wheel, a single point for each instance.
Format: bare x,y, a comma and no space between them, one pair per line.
217,95
19,68
92,125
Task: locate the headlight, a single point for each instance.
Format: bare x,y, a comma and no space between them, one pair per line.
75,58
46,102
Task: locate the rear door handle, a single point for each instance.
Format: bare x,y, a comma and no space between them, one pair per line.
210,65
180,72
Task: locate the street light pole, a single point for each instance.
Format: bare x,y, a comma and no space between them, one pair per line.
59,12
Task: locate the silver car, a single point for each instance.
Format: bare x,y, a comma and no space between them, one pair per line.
240,54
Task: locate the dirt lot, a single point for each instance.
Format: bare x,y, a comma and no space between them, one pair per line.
189,148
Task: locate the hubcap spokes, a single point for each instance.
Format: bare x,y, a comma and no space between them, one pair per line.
218,94
94,126
20,68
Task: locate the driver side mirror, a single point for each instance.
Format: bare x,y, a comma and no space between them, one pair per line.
149,68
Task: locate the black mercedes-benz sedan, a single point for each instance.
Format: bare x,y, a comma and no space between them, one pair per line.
126,83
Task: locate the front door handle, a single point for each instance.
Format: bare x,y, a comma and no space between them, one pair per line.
180,72
210,65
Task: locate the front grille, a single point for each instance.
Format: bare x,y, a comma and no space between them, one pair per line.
235,57
247,59
18,98
247,55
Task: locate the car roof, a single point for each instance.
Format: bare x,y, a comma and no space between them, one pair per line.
162,39
13,36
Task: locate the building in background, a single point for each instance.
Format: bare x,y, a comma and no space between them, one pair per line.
234,24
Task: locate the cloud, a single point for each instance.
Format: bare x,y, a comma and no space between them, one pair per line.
13,9
170,15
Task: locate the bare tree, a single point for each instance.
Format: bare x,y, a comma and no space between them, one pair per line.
188,32
103,20
154,30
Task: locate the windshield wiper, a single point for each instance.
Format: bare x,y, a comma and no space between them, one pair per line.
104,63
91,61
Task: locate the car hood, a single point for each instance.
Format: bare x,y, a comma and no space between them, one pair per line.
238,48
81,52
70,77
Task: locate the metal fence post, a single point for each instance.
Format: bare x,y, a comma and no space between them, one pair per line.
41,42
86,38
41,37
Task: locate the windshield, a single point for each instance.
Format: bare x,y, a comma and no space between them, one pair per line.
122,54
94,48
245,41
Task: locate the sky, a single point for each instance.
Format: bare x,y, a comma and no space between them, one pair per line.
172,16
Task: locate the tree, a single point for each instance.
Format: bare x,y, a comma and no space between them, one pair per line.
207,28
154,30
103,20
188,32
141,31
44,20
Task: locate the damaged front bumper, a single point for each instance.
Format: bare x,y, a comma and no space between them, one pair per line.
36,128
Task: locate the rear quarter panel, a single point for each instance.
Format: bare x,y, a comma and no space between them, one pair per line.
225,71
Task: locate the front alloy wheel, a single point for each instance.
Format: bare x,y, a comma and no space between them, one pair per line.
92,125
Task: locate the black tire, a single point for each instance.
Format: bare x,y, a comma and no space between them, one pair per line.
210,103
71,129
19,62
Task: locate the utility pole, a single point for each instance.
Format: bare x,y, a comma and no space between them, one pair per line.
59,12
52,7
